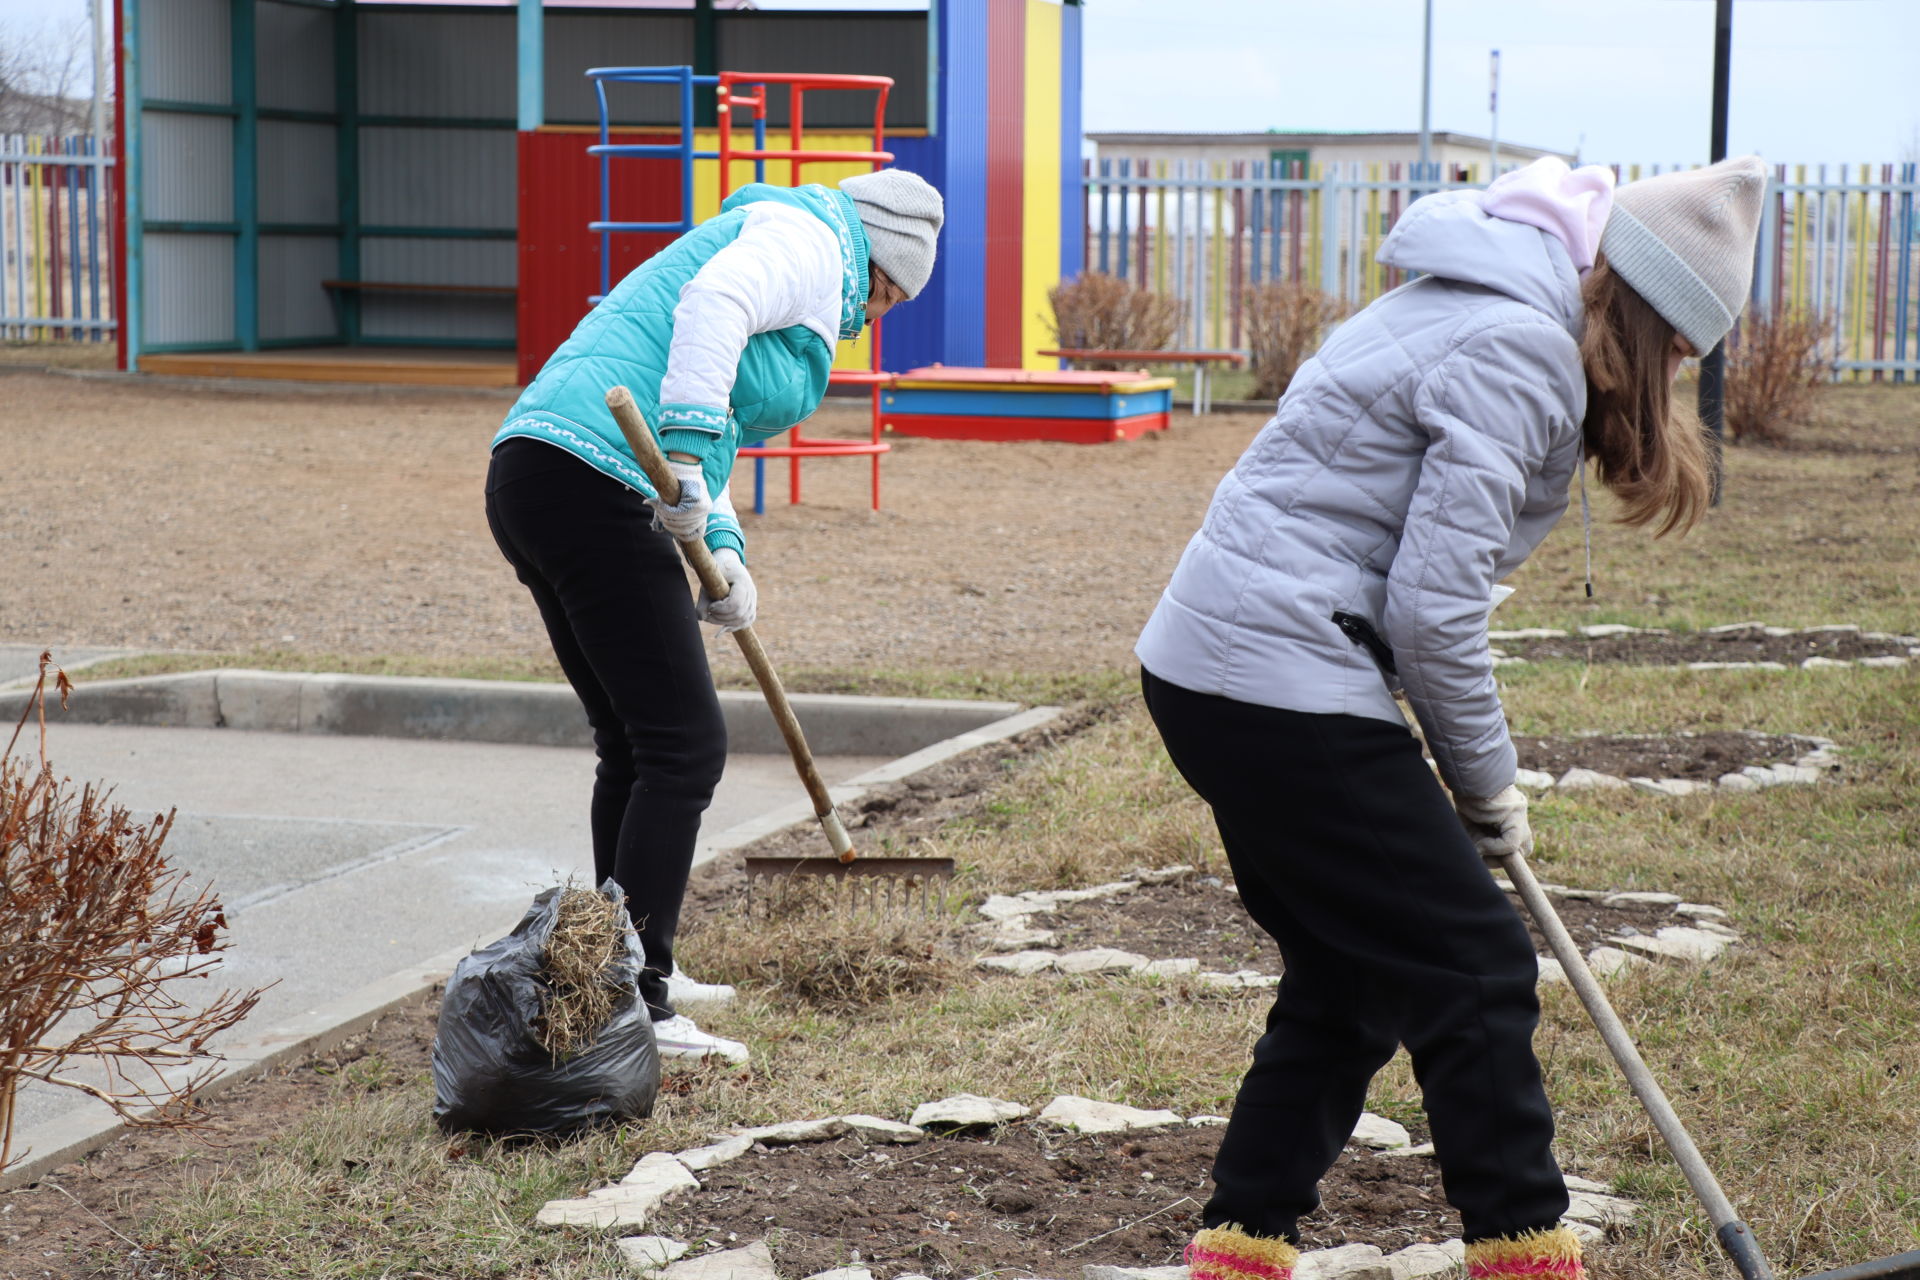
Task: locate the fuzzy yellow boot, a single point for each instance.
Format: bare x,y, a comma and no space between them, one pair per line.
1228,1253
1538,1255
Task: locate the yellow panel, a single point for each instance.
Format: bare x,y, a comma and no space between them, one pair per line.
1040,214
706,189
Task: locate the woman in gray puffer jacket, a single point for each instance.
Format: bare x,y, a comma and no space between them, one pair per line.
1416,460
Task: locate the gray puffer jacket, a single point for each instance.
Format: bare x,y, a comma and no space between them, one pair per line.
1414,462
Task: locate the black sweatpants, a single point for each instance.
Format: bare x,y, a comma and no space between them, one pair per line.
1346,849
618,610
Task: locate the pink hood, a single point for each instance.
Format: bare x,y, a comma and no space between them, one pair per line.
1571,205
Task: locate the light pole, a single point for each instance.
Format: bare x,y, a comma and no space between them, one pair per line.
1426,96
1493,107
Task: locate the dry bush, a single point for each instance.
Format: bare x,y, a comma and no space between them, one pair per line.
96,933
1774,371
1102,312
802,941
1285,323
583,951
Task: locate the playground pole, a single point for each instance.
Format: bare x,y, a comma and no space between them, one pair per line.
532,66
1426,96
1713,365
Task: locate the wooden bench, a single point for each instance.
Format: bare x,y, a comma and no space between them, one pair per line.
1202,362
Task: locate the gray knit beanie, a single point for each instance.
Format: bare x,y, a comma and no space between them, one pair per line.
902,214
1684,241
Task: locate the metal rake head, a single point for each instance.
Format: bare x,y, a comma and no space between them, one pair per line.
879,886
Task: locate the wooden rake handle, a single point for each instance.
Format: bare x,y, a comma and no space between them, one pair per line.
647,450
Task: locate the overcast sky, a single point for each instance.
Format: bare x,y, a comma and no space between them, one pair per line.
1621,80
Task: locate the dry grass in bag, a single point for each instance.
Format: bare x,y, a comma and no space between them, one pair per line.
588,938
1285,323
1096,312
1774,372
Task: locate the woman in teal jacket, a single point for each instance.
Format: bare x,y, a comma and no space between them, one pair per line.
725,337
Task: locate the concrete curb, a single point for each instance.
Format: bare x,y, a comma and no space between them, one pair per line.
72,1136
521,712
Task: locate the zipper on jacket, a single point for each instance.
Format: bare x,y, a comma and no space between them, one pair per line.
1361,632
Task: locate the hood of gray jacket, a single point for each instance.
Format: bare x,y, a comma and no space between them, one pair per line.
1417,459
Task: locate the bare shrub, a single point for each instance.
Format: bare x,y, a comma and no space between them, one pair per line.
96,933
1774,371
1285,323
805,944
1102,312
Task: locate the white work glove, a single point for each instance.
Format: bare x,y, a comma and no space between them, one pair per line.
687,522
1497,824
736,609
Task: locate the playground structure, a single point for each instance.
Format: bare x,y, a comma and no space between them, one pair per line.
311,188
1069,406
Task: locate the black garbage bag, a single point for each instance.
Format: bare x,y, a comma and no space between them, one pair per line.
490,1071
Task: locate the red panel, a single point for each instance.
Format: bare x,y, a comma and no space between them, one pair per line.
1065,430
1006,182
559,257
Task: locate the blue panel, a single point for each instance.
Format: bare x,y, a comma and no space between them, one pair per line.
1073,196
915,331
1027,404
964,56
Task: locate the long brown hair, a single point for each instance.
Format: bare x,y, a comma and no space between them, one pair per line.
1648,450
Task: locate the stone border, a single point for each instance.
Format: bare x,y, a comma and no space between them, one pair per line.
660,1176
1805,769
1601,631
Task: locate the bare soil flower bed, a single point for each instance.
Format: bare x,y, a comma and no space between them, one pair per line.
1677,649
1025,1198
1700,757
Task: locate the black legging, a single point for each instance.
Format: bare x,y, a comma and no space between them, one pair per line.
1347,851
618,610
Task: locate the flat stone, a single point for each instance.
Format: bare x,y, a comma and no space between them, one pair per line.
1796,774
1379,1133
1578,895
1094,1271
1164,875
1532,779
1020,962
1001,907
647,1254
1727,628
1425,1149
1736,782
1669,786
1021,937
1778,631
1821,759
1718,930
1699,911
1576,1183
1601,630
796,1131
843,1273
1885,660
1348,1262
1842,628
1418,1261
718,1153
1085,1115
1528,633
1112,889
1099,960
964,1111
754,1262
1762,775
627,1203
1169,968
1638,899
877,1129
1608,961
1589,779
1736,666
1206,1122
1817,663
1600,1210
1678,942
1551,970
1239,980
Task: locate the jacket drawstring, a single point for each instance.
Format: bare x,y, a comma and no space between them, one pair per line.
1586,515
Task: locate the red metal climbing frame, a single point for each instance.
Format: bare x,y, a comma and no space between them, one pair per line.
747,91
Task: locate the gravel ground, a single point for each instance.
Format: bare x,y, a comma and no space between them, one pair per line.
220,516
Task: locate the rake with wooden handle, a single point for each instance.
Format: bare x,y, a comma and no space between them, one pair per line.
893,875
1735,1236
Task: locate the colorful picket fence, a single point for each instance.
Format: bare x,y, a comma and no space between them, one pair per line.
1842,245
56,278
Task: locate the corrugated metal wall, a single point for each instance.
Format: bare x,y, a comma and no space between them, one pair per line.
454,317
292,303
186,278
297,173
187,289
577,41
188,176
453,178
455,64
872,44
293,49
184,54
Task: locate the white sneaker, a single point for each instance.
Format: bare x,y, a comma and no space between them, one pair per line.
678,1037
684,990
